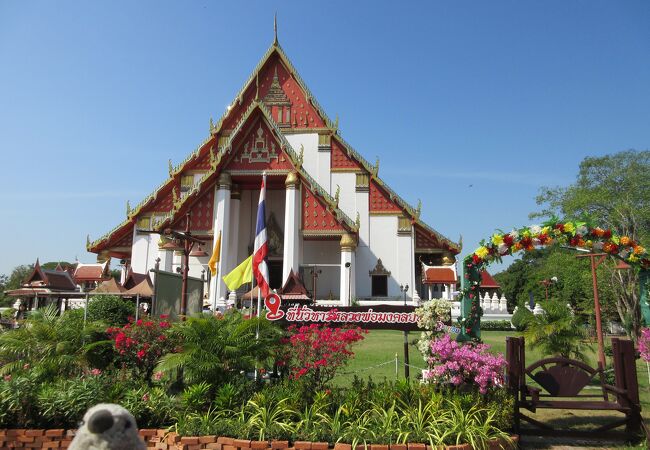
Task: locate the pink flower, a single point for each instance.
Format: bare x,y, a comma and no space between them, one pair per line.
26,366
145,397
95,372
157,376
7,377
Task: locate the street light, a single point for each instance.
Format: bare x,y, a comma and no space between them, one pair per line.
405,289
547,283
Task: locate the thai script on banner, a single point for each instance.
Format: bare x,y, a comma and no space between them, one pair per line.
300,313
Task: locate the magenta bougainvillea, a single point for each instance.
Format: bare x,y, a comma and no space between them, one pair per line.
644,344
139,344
457,364
316,352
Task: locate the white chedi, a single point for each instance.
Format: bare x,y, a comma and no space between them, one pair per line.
107,426
494,304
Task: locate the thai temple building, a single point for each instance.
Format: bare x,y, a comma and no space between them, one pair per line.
331,220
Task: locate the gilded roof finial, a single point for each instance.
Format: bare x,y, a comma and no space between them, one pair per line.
211,126
460,243
275,29
301,156
357,221
257,84
375,169
336,123
87,241
337,195
128,208
170,168
418,209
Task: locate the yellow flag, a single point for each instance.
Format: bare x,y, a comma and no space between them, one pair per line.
214,259
240,274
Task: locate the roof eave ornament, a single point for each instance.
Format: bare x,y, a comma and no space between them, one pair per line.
275,30
170,168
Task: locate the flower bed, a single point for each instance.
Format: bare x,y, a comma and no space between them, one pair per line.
164,440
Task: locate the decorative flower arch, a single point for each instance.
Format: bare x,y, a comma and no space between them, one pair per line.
553,232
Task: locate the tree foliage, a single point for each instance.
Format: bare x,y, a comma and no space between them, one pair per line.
557,331
612,191
214,348
110,309
573,286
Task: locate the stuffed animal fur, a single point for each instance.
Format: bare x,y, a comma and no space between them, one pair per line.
107,427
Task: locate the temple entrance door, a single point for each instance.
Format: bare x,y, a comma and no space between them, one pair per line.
275,273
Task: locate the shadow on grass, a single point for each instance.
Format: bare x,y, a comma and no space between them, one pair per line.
583,422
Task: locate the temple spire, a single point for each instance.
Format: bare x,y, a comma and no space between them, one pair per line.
275,29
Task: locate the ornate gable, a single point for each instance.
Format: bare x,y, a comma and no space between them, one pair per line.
258,150
342,160
279,89
380,201
317,217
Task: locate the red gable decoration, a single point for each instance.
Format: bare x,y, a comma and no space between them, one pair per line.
259,150
316,217
340,158
380,202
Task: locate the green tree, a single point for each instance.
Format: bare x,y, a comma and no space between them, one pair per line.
17,277
557,331
110,309
214,348
49,344
612,191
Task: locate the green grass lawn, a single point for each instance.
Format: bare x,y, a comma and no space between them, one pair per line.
381,346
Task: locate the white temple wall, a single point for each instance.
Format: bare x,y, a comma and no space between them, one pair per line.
383,244
144,251
317,166
365,261
323,252
405,264
347,181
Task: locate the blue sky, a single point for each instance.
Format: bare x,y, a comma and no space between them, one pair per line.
470,106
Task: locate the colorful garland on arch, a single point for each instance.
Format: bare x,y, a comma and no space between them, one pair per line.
553,232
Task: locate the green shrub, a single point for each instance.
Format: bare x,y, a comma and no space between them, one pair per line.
196,397
63,403
521,317
110,309
496,325
152,407
18,402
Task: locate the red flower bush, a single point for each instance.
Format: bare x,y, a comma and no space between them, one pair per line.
316,353
138,345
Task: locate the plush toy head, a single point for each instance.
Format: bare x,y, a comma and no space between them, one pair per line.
107,427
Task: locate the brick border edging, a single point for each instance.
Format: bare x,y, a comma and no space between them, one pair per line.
161,439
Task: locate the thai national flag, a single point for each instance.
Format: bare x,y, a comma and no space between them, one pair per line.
261,248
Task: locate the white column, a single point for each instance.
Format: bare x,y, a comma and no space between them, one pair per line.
221,222
235,200
431,292
292,209
166,259
405,264
348,292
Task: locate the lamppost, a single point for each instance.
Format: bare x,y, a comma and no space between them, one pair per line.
594,280
314,273
547,283
404,289
187,241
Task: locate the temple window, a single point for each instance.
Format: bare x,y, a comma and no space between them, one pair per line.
379,280
187,181
144,223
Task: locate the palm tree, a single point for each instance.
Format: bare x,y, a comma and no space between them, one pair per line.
212,348
49,344
557,331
